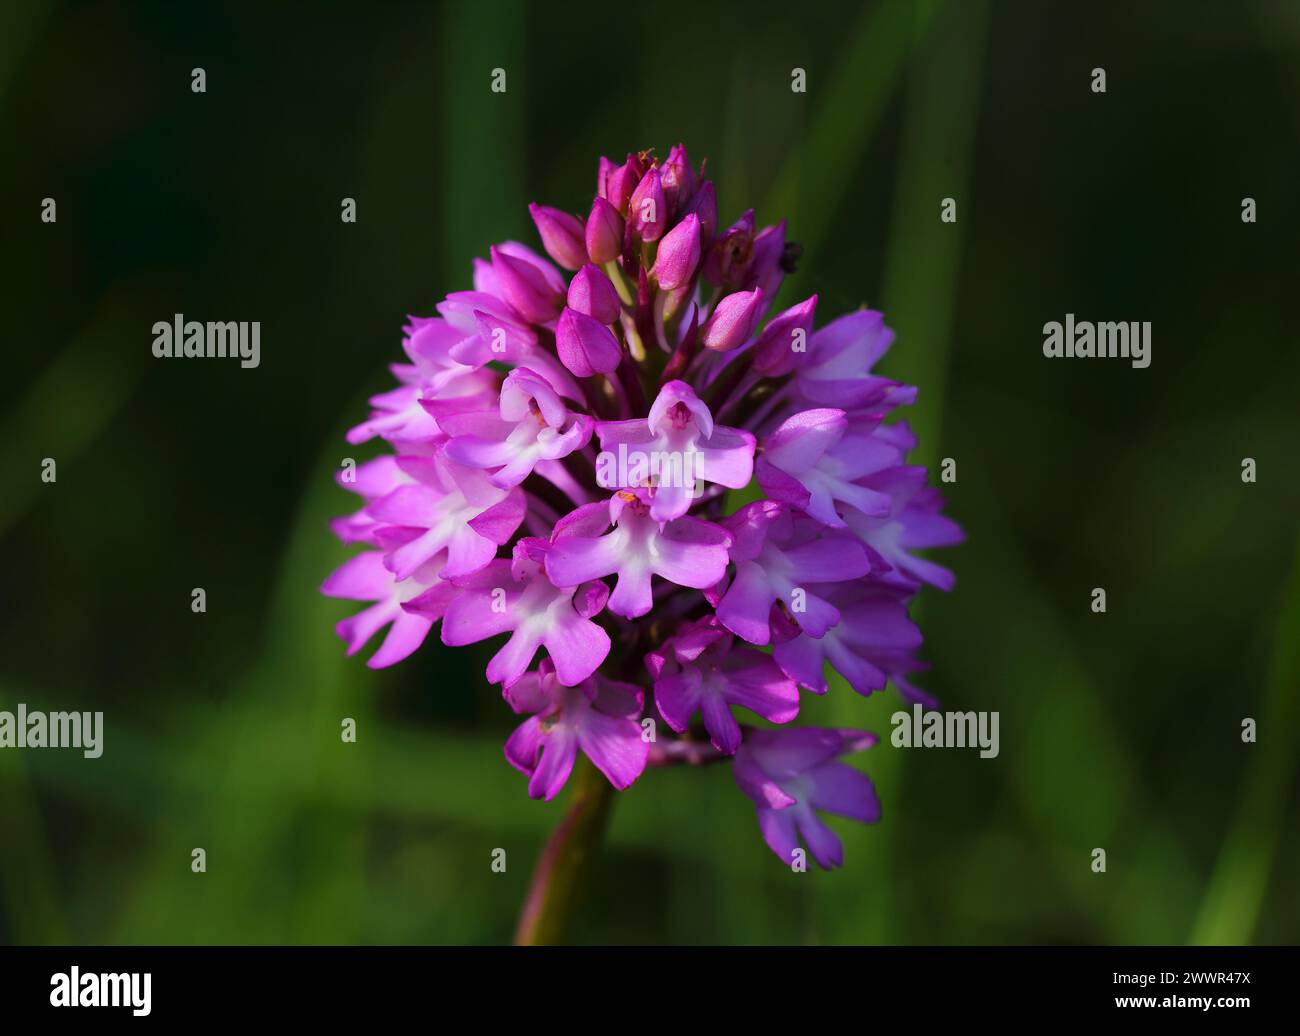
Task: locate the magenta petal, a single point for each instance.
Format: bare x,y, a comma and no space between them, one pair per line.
405,635
499,522
723,729
360,578
523,746
745,606
727,457
824,844
677,697
577,647
559,750
615,746
525,287
802,659
590,598
780,486
779,832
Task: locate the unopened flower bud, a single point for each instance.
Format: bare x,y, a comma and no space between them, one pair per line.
585,345
525,287
679,254
678,179
622,181
784,339
592,293
765,260
648,209
705,205
604,232
732,320
563,235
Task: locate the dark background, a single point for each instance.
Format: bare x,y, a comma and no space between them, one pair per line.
1119,731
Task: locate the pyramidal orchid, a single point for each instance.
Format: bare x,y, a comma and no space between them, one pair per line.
667,506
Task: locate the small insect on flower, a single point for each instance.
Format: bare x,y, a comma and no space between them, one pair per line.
567,439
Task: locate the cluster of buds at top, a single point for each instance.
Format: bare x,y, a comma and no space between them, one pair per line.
569,440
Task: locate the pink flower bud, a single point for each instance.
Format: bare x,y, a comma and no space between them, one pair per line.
525,287
765,260
592,293
678,178
563,235
622,181
784,339
585,345
679,254
604,232
732,320
603,169
705,205
648,209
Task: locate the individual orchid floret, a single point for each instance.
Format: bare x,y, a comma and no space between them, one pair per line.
793,774
702,670
563,236
779,555
591,292
489,331
814,459
364,578
873,640
370,481
840,357
516,597
913,523
597,717
685,551
449,507
401,415
674,449
732,320
531,424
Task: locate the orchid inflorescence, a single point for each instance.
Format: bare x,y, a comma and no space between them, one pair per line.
568,449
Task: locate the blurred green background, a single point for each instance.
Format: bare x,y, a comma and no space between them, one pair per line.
1119,731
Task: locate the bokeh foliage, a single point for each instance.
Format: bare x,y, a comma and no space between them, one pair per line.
1119,731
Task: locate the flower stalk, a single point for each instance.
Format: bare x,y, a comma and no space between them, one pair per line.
564,869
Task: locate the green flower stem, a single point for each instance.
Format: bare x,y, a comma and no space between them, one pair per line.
566,861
